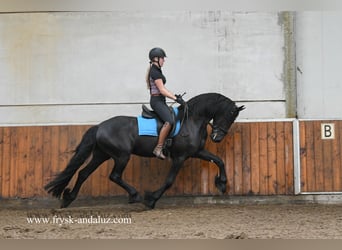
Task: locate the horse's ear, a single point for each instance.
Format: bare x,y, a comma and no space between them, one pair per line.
241,108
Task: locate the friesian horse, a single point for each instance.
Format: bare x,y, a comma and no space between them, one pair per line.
118,138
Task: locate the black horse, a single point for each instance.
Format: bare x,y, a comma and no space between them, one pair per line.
118,138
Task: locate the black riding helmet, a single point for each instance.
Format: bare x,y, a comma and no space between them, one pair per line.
156,52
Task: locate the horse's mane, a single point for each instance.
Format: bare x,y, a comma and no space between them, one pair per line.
208,102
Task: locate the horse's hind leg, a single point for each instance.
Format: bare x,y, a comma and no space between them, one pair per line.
98,158
151,198
116,176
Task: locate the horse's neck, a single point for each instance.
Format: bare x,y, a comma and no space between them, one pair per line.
199,120
206,112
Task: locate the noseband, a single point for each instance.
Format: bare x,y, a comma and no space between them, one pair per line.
217,129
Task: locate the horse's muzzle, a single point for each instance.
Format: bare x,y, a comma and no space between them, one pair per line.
217,136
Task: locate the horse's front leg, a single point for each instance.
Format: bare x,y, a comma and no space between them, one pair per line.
151,198
221,180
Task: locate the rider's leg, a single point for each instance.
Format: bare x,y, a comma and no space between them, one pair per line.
158,150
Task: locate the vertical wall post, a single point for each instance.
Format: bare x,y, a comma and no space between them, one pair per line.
289,77
296,156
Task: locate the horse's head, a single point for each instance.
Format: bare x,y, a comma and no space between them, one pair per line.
223,119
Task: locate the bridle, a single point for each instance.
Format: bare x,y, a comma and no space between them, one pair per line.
217,129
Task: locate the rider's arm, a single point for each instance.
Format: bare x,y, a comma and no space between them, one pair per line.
164,91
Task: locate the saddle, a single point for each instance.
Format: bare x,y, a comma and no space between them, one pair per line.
150,114
147,113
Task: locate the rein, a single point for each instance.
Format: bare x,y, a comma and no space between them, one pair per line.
215,128
186,112
185,115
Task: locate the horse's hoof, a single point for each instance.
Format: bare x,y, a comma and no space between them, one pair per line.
65,203
67,199
149,200
136,198
149,204
220,185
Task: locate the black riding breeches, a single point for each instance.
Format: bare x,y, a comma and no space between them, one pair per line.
158,104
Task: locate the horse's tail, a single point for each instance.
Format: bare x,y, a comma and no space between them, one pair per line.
82,152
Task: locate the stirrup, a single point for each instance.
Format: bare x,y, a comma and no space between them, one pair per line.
158,152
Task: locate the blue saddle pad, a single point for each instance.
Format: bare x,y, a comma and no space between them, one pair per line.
149,126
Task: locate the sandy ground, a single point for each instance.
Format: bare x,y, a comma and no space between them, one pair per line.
186,221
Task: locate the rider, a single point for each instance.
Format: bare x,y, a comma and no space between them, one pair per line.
155,82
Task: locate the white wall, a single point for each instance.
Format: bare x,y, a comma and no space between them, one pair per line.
319,57
84,67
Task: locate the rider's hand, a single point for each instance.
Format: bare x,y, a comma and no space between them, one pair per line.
180,100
